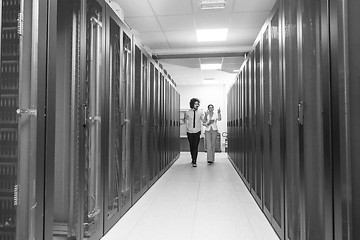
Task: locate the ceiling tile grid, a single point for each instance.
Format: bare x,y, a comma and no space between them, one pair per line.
212,21
180,39
135,8
169,27
249,19
178,22
144,24
171,7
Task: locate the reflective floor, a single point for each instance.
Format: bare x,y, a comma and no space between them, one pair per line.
207,202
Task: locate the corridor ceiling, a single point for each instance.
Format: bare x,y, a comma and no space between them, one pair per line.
168,28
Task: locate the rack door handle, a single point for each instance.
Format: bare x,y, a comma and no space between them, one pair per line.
301,113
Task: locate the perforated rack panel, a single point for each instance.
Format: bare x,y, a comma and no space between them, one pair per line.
9,90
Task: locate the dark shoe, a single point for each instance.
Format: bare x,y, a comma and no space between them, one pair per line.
194,165
210,162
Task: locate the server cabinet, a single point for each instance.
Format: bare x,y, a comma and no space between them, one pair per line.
258,161
162,121
113,208
276,127
346,115
138,128
126,103
145,121
302,112
306,95
266,123
22,128
153,135
294,223
75,180
246,124
316,146
229,112
235,123
67,112
236,118
158,119
242,123
140,165
172,121
66,99
93,134
166,119
252,122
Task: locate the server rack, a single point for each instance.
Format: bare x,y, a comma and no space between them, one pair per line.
68,91
344,50
287,121
23,72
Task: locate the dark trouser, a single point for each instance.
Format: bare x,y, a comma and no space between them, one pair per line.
194,139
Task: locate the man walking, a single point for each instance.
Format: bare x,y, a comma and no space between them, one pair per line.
194,119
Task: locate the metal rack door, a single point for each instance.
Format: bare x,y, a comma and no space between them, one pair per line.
22,107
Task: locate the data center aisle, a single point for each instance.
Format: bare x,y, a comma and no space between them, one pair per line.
186,203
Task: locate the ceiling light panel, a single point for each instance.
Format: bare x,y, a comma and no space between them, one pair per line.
208,5
212,35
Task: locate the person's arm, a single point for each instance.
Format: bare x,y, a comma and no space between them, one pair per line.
186,117
219,115
203,117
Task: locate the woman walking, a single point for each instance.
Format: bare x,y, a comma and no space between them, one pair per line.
211,131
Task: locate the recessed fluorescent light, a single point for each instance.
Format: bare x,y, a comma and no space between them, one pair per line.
211,35
212,66
212,4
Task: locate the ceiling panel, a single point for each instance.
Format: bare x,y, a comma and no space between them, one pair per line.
144,24
150,38
158,45
217,60
135,8
188,62
249,19
168,27
178,39
211,21
254,5
171,7
174,23
242,36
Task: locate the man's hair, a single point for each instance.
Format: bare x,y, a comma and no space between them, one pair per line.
192,102
210,105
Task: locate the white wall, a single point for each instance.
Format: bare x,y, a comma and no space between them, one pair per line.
207,94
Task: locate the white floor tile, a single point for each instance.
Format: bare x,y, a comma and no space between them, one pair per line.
186,203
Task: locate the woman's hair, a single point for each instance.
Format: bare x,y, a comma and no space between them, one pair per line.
210,105
192,102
